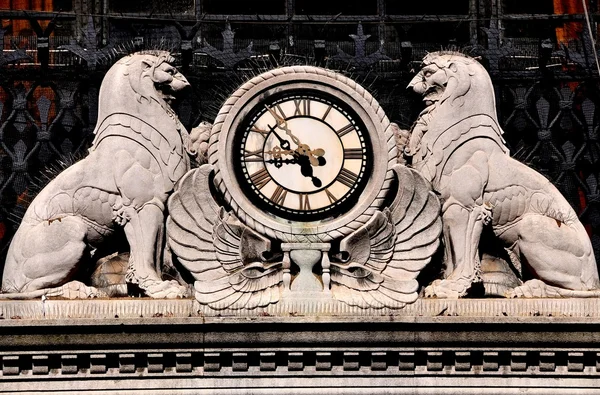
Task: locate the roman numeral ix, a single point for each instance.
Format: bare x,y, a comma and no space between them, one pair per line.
254,156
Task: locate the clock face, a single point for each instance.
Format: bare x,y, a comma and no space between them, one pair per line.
302,155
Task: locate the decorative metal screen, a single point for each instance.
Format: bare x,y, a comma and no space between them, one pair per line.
541,58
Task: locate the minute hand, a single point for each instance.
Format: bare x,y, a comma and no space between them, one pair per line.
282,124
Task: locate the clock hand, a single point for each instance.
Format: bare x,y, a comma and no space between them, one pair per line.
307,170
282,124
276,152
300,157
278,162
315,156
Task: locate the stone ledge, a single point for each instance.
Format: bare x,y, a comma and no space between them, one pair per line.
180,308
545,347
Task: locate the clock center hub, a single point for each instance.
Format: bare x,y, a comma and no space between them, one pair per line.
310,164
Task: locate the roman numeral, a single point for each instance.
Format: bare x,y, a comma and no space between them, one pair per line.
277,108
332,198
278,197
345,130
353,153
326,112
260,178
347,178
258,130
279,118
304,201
281,111
302,107
249,156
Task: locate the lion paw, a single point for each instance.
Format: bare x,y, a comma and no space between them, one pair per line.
78,290
164,289
122,214
446,289
533,289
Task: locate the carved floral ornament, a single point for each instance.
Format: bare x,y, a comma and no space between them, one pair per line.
302,197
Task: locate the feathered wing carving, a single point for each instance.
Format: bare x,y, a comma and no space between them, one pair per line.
225,257
383,258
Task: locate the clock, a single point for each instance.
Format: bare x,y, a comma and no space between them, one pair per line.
302,154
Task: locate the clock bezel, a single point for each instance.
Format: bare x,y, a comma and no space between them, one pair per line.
333,210
253,93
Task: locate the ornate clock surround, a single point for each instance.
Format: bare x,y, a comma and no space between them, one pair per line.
302,78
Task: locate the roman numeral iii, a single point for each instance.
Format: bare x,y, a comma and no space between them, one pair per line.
353,153
347,178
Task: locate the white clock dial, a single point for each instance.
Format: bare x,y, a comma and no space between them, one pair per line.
303,154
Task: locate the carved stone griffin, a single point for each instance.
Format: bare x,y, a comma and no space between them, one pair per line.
457,145
138,154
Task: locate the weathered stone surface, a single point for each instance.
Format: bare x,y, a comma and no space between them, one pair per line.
438,346
315,310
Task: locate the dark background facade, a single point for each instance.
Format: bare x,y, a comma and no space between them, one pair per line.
540,54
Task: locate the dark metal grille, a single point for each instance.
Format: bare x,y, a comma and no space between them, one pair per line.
546,80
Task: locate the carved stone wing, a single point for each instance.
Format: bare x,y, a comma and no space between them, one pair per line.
225,257
382,259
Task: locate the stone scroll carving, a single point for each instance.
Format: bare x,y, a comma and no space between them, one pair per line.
229,261
138,154
457,145
385,256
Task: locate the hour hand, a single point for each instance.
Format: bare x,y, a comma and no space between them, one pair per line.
315,156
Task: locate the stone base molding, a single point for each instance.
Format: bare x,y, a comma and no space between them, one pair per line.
491,346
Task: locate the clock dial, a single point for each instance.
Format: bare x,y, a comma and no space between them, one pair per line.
303,155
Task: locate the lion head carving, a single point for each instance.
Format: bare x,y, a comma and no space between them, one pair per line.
148,77
454,87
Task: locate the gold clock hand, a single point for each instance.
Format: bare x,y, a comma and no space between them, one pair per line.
315,156
277,151
282,124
